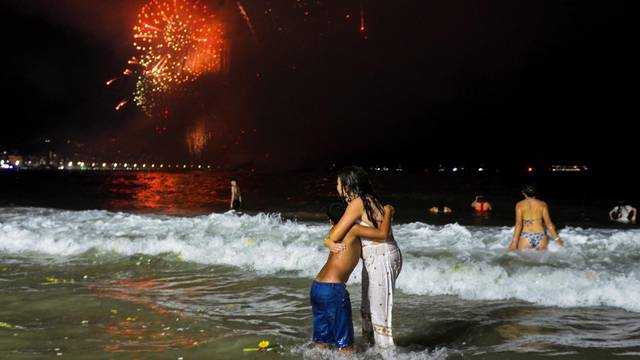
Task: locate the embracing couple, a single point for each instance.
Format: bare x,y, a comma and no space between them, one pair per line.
361,230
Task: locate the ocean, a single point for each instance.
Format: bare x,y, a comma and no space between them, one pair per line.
151,265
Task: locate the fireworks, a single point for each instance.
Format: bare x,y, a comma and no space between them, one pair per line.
121,104
247,19
176,41
198,138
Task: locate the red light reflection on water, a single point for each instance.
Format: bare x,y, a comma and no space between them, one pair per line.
169,193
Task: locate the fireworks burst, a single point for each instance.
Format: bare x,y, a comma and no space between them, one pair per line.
176,42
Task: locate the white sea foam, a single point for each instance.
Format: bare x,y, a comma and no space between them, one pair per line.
598,266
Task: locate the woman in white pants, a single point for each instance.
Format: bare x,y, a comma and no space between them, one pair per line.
382,259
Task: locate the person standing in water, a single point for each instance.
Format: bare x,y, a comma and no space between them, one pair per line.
481,206
623,213
382,258
236,197
532,218
440,208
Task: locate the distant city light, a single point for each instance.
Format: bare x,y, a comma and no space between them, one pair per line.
480,169
569,168
530,169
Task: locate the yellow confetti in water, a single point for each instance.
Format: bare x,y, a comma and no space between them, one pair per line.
132,318
52,280
4,325
456,267
114,311
263,344
249,241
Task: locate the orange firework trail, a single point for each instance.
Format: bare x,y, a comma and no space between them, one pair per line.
121,104
109,82
244,14
362,17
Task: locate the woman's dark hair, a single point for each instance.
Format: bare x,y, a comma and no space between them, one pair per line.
529,190
440,204
357,181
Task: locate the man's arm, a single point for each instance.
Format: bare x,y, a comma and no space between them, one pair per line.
381,234
351,215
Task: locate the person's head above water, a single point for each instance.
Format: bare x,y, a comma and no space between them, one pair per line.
529,190
353,182
335,210
233,181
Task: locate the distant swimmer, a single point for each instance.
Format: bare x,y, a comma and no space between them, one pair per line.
532,218
623,213
480,206
236,197
440,208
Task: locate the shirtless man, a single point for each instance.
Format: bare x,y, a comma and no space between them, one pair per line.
330,302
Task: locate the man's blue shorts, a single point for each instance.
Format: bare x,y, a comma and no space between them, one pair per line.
331,307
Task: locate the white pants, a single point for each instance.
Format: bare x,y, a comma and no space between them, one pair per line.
382,264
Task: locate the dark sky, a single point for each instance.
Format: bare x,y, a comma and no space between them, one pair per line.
426,82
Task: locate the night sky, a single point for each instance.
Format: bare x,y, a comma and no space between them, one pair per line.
426,82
